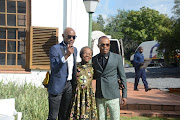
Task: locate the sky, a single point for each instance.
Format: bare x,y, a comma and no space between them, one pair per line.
109,7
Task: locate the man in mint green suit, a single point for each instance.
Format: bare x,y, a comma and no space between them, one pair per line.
107,66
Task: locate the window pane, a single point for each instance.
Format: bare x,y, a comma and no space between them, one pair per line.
12,33
21,59
2,19
21,46
2,33
2,46
21,34
11,6
11,20
21,20
2,6
2,59
11,46
11,59
21,7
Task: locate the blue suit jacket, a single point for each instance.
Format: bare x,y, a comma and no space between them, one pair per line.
138,58
59,70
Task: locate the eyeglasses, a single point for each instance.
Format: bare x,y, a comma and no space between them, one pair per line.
105,44
69,37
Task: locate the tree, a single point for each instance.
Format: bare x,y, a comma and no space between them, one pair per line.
146,25
115,28
99,25
101,21
176,8
170,41
96,26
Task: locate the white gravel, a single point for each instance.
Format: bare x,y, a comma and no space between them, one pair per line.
157,78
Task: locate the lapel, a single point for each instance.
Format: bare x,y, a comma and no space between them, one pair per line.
74,56
74,67
62,47
108,63
99,67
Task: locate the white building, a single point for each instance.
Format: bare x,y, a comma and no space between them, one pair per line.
26,24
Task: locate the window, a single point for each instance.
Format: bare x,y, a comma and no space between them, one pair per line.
41,39
21,45
13,30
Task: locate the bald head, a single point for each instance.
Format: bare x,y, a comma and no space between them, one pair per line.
68,30
69,36
140,49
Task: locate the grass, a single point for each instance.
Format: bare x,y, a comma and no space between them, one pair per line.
32,101
128,62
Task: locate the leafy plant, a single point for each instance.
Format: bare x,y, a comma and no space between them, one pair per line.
32,101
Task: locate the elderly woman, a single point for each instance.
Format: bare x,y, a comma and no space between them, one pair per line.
83,104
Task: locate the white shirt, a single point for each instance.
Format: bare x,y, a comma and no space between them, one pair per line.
70,62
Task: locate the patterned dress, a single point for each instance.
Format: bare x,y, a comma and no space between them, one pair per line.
84,104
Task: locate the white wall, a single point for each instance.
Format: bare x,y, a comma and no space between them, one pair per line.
47,13
62,14
35,77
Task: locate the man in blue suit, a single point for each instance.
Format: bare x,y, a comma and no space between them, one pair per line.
140,72
63,75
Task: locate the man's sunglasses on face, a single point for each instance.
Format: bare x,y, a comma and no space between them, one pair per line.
105,45
69,37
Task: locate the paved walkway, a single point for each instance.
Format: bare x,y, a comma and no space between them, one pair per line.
154,96
153,103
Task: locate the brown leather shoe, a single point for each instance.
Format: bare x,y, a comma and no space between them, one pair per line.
147,89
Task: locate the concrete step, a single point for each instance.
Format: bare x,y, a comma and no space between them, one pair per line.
151,107
150,113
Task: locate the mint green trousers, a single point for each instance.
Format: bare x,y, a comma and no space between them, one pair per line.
112,104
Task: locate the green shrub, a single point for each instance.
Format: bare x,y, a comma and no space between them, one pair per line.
128,62
32,101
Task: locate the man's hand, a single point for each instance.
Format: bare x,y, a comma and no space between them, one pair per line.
70,50
141,64
123,102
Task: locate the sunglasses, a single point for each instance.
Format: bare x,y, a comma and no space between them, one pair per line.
105,44
69,37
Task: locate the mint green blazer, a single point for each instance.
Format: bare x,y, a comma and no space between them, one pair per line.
106,80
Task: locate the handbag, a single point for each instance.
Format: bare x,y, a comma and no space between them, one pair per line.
46,80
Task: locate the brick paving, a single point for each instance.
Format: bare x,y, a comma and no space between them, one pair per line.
154,103
153,96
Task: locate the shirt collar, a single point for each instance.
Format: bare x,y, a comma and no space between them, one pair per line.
139,52
64,43
105,56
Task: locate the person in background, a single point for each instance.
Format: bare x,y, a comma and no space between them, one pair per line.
83,103
63,75
140,72
107,66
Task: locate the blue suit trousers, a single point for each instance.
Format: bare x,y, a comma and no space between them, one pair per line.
140,73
